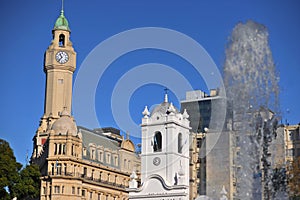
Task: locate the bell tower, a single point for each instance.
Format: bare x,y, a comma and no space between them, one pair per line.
165,155
165,144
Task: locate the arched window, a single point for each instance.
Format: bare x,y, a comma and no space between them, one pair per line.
180,143
157,142
61,41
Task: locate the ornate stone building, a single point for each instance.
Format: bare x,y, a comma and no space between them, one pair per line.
75,162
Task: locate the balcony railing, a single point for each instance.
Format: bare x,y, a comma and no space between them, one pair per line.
84,177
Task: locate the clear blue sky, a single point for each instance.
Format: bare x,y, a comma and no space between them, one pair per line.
26,33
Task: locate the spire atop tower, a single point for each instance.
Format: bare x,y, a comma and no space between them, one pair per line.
62,6
62,22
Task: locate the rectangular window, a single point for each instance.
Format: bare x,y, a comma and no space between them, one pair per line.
125,163
63,149
44,190
84,171
78,190
59,148
58,168
55,148
92,175
73,150
84,151
83,193
93,154
73,190
100,158
52,169
91,195
60,81
108,158
56,189
116,162
65,168
99,197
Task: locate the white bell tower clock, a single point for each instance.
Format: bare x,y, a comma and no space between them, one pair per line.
165,153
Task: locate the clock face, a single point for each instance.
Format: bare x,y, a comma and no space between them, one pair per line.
156,161
62,57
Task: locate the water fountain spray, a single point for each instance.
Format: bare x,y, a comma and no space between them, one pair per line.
251,83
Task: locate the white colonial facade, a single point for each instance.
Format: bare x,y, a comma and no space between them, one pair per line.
165,155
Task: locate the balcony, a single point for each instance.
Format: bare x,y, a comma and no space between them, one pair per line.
86,178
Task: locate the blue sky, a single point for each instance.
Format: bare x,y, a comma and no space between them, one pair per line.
26,33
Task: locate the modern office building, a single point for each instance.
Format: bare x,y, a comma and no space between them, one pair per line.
213,169
200,105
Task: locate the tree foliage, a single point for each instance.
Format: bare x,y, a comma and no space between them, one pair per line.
29,184
15,181
9,169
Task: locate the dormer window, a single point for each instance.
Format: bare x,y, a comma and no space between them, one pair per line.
157,142
61,41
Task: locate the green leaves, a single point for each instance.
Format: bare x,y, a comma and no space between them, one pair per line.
29,184
9,169
14,182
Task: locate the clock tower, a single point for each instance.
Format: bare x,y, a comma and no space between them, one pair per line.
59,65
